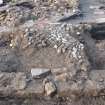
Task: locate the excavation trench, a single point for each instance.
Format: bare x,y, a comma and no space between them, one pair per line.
95,42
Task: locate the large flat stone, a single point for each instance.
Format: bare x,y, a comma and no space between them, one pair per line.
1,2
39,72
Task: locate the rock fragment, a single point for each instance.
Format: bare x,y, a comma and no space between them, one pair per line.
100,20
39,72
58,71
50,88
1,2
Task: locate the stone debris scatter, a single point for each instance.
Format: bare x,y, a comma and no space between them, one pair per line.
39,72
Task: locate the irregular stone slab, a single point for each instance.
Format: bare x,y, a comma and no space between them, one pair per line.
50,88
39,72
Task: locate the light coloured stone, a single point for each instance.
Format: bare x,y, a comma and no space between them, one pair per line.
50,88
74,52
39,72
19,82
1,1
78,33
55,46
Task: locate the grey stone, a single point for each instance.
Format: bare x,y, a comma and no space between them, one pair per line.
39,72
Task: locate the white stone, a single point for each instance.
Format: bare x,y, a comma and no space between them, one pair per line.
94,7
55,46
74,52
39,72
100,20
11,45
1,1
78,33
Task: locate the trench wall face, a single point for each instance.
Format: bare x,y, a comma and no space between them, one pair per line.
64,50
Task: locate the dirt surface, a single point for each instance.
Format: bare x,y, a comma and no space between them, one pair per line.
83,101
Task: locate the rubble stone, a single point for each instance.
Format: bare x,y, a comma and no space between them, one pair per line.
50,88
